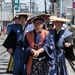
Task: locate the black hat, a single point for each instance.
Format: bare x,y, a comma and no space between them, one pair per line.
37,18
50,23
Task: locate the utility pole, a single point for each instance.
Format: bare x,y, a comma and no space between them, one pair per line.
53,8
30,6
60,2
1,6
73,11
45,7
13,8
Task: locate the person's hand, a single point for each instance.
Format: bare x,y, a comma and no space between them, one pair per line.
67,44
32,51
10,51
36,54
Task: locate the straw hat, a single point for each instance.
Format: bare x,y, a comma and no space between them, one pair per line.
15,17
26,15
44,16
59,19
37,18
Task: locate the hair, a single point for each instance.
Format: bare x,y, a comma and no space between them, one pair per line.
37,18
26,16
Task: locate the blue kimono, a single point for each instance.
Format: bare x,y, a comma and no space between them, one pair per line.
60,39
41,68
20,56
10,42
16,27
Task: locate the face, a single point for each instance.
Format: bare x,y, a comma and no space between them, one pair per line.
58,25
22,19
16,21
38,25
50,27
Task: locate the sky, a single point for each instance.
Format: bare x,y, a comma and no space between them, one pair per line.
40,3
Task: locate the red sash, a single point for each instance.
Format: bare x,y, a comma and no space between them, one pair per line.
30,38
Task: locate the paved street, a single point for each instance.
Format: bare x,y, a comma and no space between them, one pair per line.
4,58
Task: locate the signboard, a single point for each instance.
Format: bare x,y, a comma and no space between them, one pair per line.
16,4
58,12
73,4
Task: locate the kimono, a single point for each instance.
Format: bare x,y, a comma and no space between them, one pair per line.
14,40
19,57
10,42
39,65
59,39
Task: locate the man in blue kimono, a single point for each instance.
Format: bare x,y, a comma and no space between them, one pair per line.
14,31
39,48
15,39
63,45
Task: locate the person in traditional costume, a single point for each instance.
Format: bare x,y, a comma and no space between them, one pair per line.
63,45
13,43
15,21
14,27
39,49
50,25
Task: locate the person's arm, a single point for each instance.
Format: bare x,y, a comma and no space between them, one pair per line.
49,48
68,42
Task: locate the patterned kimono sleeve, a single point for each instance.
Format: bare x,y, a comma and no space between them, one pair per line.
49,47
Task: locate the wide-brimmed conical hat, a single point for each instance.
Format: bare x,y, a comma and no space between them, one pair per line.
24,14
55,18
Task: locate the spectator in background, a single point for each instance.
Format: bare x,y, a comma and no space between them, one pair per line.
4,32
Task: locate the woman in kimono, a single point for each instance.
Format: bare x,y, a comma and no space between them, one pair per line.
39,48
62,40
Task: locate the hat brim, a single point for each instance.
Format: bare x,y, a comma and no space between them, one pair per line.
24,14
15,17
55,18
37,18
44,16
